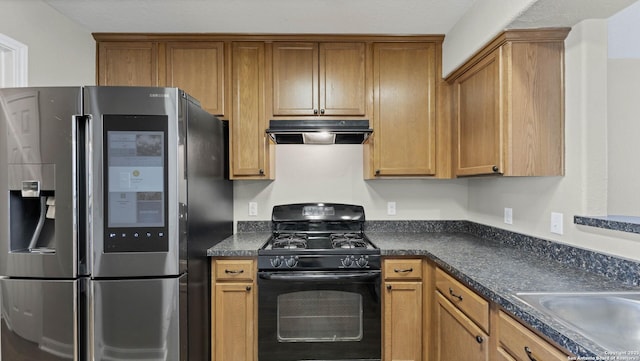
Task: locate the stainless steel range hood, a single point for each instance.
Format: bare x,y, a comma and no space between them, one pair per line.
319,131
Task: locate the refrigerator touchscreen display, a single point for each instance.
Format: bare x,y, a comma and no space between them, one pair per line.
136,183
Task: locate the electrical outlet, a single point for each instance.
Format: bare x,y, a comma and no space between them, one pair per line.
508,215
391,208
556,223
253,209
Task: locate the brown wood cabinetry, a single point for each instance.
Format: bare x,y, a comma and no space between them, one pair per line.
405,79
234,313
403,306
516,342
198,69
127,63
461,321
319,79
251,151
509,106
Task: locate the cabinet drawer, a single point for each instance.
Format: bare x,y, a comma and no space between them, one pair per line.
523,344
234,269
401,269
474,306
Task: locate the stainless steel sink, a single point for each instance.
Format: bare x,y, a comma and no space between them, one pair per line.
612,320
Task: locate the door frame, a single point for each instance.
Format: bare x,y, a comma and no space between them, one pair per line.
14,62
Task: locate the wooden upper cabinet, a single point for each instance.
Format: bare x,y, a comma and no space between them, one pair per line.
404,114
316,79
479,119
509,106
128,63
198,69
251,151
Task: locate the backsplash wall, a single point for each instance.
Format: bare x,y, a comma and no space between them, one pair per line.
333,173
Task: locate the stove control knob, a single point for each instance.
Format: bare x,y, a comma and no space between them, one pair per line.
362,262
276,262
291,262
347,262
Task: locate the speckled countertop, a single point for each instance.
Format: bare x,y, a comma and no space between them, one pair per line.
492,268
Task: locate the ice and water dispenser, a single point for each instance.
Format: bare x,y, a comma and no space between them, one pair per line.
32,218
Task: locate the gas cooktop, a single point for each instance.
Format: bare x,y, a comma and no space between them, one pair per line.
318,236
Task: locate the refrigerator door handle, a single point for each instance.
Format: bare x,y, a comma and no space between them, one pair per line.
82,178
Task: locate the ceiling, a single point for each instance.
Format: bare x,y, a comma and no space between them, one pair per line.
266,16
314,16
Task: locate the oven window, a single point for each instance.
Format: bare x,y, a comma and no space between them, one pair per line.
319,316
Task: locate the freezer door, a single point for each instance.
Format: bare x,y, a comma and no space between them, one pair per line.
39,320
40,141
139,319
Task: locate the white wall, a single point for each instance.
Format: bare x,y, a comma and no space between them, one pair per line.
478,26
623,109
61,52
333,173
583,190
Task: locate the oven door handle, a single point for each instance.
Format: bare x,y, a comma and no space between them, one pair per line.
318,276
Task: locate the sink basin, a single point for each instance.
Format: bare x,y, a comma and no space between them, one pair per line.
612,320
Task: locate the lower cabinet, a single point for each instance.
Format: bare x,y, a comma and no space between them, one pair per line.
427,316
233,317
456,336
516,342
402,306
461,321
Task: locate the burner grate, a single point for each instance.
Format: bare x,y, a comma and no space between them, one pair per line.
348,240
290,241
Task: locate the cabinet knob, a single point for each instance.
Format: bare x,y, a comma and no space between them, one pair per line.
479,339
315,111
495,169
377,171
389,287
321,111
248,288
261,171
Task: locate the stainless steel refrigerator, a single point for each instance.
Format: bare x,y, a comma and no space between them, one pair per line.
109,198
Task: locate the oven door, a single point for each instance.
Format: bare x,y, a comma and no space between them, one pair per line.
319,316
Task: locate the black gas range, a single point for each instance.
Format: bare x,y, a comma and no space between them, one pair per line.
319,286
318,236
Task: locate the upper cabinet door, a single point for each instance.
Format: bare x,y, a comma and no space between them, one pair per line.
342,79
404,114
478,97
317,79
198,69
128,63
250,148
295,79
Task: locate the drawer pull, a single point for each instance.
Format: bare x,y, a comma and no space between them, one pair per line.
479,339
234,272
248,288
406,270
389,287
529,354
454,295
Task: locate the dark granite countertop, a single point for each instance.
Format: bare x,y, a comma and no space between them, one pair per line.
492,268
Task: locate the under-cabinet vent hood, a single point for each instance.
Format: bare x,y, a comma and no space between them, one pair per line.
319,131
